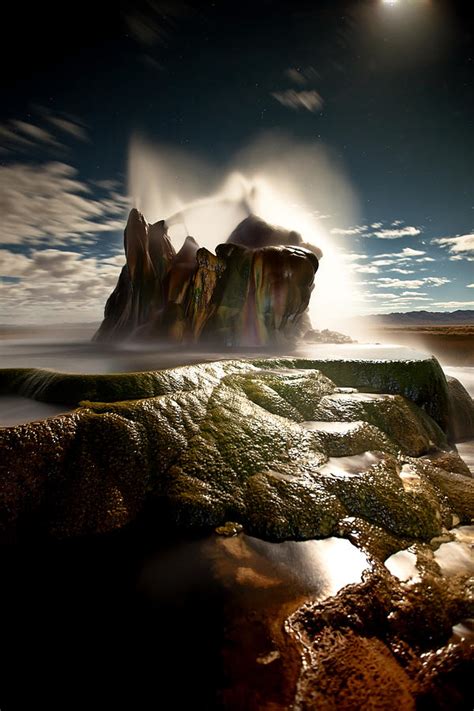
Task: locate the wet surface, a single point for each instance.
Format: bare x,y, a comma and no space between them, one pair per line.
335,427
127,619
341,467
403,566
454,557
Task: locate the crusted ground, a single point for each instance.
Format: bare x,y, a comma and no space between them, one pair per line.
275,446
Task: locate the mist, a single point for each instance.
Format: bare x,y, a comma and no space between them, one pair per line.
293,184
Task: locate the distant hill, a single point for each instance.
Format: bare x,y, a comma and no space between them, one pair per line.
422,318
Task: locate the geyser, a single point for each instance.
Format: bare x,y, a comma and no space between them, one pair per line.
254,291
299,185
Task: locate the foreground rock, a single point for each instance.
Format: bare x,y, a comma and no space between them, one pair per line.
273,445
253,291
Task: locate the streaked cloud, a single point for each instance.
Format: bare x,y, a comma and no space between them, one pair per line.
48,203
395,233
156,21
414,293
365,269
306,99
36,133
393,283
353,257
73,129
303,75
357,230
454,304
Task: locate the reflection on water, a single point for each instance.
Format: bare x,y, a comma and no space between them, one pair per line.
247,566
403,566
455,557
341,467
464,630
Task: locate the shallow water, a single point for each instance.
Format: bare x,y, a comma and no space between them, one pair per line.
127,617
16,410
83,356
455,557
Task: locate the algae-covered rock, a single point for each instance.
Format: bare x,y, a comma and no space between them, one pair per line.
264,447
421,381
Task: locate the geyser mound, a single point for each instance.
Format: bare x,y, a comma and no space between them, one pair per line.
253,291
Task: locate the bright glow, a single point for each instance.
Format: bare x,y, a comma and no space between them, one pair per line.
390,2
283,182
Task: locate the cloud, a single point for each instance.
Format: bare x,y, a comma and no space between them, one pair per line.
402,271
365,269
52,284
302,76
414,293
408,299
384,262
73,129
23,136
392,283
461,257
409,252
292,99
46,202
470,286
107,184
376,225
454,304
36,133
396,233
12,138
156,21
353,257
425,259
404,256
357,230
459,246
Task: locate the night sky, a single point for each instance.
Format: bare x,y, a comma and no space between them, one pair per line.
383,89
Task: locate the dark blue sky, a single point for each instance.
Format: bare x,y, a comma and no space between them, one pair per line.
385,87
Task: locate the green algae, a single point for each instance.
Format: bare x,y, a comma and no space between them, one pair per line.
226,441
421,381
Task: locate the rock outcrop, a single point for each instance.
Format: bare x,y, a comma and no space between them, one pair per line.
253,291
269,444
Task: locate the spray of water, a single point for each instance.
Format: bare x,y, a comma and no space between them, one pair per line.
286,182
